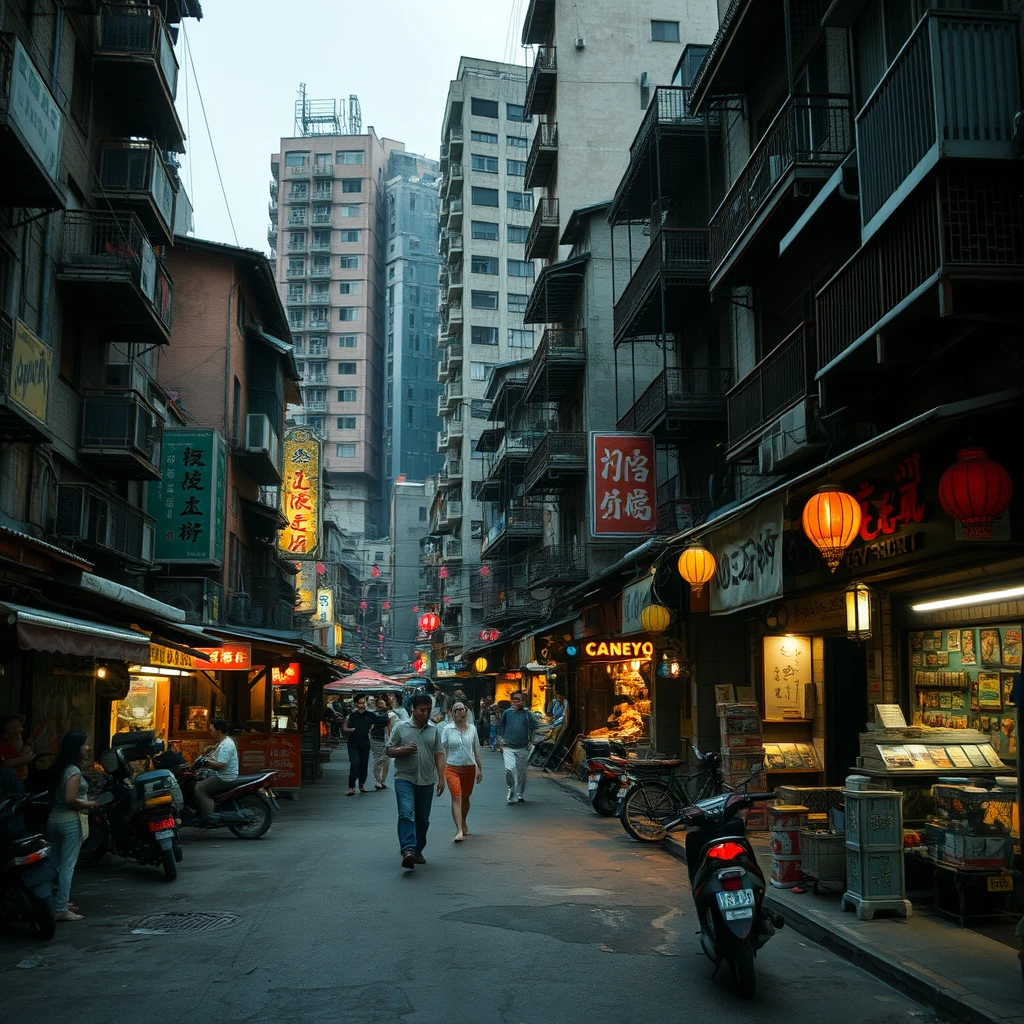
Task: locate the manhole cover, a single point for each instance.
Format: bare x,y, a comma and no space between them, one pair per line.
191,921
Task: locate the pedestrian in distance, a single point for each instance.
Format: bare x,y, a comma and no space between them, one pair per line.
15,753
463,764
515,741
378,741
222,761
398,712
493,719
68,824
357,731
419,767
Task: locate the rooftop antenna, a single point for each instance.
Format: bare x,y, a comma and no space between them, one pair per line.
318,117
355,116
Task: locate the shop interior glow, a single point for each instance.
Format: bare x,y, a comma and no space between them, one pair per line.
154,670
966,599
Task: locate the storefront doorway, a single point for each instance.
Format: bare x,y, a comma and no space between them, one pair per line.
846,706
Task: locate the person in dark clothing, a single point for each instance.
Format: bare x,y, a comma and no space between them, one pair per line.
378,741
357,730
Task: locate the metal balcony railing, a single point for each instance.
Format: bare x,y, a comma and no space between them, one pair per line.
556,455
541,85
133,171
556,565
543,231
131,32
543,152
122,429
678,514
694,394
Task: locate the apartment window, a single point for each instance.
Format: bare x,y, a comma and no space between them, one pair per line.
345,451
322,239
423,513
296,317
346,394
483,108
297,267
322,265
347,341
515,112
516,141
318,344
346,369
296,159
351,211
299,190
296,292
479,371
349,262
348,313
517,167
349,156
483,137
480,162
484,336
484,196
520,268
516,234
519,200
484,300
665,31
481,265
348,287
351,184
301,367
520,339
485,229
516,302
350,235
322,160
346,423
297,239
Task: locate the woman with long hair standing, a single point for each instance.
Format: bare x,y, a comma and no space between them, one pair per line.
69,810
464,766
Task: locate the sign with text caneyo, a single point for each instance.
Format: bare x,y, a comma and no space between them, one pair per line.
188,502
300,494
31,367
748,560
623,484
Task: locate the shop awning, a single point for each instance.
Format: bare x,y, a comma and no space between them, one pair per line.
364,679
24,549
39,630
259,515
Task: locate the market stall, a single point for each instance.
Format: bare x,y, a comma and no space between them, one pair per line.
617,685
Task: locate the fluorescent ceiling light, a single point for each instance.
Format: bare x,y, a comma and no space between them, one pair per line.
966,599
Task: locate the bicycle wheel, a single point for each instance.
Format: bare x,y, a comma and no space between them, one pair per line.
647,806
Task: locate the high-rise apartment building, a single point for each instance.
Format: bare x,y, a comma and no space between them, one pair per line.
411,420
485,281
328,235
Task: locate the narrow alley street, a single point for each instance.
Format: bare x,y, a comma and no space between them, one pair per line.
545,912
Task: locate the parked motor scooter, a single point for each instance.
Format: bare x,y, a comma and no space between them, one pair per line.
245,809
27,872
603,776
137,816
727,884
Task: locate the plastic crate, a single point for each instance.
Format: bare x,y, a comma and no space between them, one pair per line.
823,856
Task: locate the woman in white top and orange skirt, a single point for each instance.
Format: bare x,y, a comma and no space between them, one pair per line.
464,766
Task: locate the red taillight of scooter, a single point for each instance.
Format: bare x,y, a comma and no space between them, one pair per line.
159,826
726,851
31,858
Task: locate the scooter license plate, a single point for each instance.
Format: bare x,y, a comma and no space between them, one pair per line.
741,898
592,782
167,833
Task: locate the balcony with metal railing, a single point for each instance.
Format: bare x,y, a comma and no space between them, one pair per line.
323,169
293,273
779,382
453,352
298,172
133,175
540,164
454,281
678,514
275,188
557,366
320,244
517,525
297,217
512,453
455,247
320,272
298,193
320,298
272,236
454,181
543,78
321,217
808,139
544,228
104,524
455,206
951,93
681,402
455,137
109,265
556,566
677,265
452,549
558,461
135,54
453,467
322,192
120,434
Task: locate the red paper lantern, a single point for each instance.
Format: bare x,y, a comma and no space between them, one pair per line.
362,606
485,570
429,621
484,634
320,568
415,608
375,572
386,605
444,572
447,600
494,634
974,491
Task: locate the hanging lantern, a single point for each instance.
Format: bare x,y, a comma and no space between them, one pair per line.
386,606
831,519
655,618
697,566
493,635
415,608
480,666
858,611
320,568
443,573
974,491
485,570
362,606
483,634
375,572
447,599
429,621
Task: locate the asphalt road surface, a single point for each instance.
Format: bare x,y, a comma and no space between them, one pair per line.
546,913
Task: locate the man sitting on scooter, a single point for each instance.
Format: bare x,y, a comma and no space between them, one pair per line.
223,761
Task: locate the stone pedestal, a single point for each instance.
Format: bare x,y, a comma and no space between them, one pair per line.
874,854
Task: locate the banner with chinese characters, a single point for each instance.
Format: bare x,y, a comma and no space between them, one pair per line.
188,501
324,615
748,560
623,484
305,588
300,494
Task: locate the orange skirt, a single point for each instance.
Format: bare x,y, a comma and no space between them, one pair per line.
460,779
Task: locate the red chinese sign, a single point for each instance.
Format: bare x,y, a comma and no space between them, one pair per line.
287,676
885,508
229,658
300,494
623,484
279,752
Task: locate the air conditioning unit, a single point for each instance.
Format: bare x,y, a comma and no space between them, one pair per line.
260,436
130,376
580,42
766,455
83,515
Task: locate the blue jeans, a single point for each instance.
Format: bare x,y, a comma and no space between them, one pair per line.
413,814
65,842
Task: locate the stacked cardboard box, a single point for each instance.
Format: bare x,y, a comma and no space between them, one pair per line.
743,754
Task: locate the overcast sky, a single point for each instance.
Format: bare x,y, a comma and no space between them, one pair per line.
397,56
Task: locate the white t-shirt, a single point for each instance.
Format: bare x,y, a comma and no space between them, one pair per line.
227,752
459,747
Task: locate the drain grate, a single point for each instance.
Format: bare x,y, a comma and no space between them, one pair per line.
184,921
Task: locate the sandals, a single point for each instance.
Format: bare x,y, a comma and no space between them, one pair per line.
351,792
68,915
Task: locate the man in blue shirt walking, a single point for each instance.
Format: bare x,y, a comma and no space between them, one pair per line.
515,741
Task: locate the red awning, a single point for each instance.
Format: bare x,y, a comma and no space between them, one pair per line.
39,630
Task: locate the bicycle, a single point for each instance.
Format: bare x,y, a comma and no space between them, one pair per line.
648,803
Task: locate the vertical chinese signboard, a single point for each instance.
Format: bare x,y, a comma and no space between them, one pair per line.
188,502
623,484
300,494
305,588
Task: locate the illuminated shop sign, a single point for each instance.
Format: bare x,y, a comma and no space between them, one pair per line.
618,649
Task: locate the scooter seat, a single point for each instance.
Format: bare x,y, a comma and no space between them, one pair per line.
246,780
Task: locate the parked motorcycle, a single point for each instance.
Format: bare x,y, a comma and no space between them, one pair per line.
27,873
727,884
246,809
603,776
137,816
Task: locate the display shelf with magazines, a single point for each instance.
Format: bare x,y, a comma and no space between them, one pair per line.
921,752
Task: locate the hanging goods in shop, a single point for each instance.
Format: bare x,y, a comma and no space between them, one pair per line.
655,618
429,621
831,520
974,491
697,567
